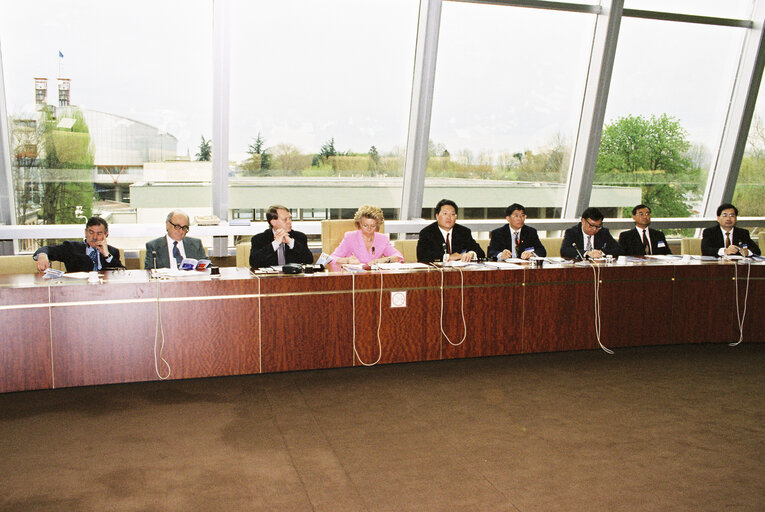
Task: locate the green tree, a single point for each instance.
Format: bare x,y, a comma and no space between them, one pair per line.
328,149
65,162
374,160
259,161
653,152
374,155
205,150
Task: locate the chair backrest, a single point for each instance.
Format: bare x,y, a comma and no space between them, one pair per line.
552,245
690,246
408,248
243,254
761,244
142,258
332,232
484,243
23,264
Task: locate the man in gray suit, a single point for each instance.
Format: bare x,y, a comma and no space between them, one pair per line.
170,249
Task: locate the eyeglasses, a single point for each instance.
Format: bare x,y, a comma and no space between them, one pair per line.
185,229
731,215
596,227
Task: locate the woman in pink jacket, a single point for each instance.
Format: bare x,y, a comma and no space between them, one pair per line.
366,245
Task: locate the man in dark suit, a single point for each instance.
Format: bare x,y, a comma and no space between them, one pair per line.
175,245
92,254
643,240
445,236
726,239
515,239
589,238
279,244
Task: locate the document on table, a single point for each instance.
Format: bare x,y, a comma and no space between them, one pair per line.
400,266
502,265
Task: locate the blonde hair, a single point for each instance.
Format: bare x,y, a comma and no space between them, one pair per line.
369,212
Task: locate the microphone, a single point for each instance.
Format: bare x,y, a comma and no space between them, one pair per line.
154,259
577,251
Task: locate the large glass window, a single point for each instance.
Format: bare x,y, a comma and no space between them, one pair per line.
102,96
669,95
508,94
320,93
749,195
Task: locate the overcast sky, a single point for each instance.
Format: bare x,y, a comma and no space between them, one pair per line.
302,71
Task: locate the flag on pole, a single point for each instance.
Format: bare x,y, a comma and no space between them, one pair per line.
60,55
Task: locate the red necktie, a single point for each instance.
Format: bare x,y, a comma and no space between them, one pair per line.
646,245
448,244
727,239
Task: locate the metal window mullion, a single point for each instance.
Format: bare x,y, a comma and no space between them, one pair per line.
724,173
7,199
220,128
585,151
539,4
420,109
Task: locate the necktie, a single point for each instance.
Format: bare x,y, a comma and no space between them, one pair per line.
727,239
515,244
448,244
280,260
588,244
646,245
177,255
94,258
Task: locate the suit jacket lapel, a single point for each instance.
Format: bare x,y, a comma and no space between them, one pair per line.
163,258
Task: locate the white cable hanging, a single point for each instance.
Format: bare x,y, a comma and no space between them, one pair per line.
160,330
741,316
462,307
596,274
379,321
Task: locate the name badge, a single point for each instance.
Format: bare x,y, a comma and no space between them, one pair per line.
661,244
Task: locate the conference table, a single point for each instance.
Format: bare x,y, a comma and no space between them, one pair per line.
131,326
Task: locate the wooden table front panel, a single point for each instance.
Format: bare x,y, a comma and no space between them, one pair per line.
238,324
493,308
213,329
559,309
754,321
636,305
408,333
25,340
305,322
704,304
103,334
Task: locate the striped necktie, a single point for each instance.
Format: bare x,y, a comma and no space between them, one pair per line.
94,258
177,255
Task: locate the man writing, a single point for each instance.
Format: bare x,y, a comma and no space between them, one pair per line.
92,254
643,240
169,251
279,244
726,239
445,236
515,239
589,238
